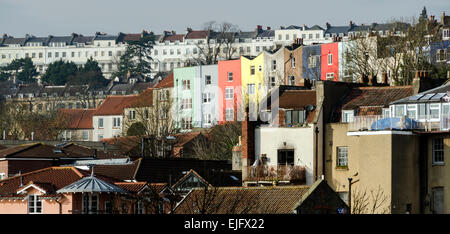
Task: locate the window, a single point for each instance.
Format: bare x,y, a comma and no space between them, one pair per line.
229,93
108,207
207,118
100,122
132,114
386,113
347,116
116,122
257,49
330,76
250,88
411,111
434,111
279,37
187,103
252,70
34,204
330,59
260,68
399,111
49,54
187,123
207,80
438,200
140,207
312,60
286,157
229,114
63,54
85,135
274,65
186,84
206,97
293,117
272,81
90,203
293,62
230,76
287,37
422,114
291,80
342,157
438,151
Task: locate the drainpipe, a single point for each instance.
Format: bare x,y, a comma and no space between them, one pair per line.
317,154
60,205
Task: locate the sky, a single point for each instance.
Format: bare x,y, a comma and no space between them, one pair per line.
62,17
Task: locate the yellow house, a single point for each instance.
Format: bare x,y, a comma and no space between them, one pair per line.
252,77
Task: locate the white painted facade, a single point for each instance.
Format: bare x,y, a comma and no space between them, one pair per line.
108,130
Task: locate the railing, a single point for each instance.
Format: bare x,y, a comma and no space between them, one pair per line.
292,173
379,123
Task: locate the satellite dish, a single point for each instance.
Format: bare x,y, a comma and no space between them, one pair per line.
309,107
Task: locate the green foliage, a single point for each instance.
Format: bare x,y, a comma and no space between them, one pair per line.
58,72
23,68
136,58
136,129
90,74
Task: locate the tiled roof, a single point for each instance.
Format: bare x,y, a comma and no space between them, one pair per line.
78,118
119,172
38,150
56,177
183,138
160,170
132,37
197,34
136,187
2,147
173,38
167,82
114,105
188,174
244,200
126,144
374,97
90,152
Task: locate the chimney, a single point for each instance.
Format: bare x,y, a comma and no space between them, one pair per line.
443,18
281,27
268,28
188,30
303,27
248,143
328,25
351,24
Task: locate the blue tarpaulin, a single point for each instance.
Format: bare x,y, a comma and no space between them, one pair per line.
394,123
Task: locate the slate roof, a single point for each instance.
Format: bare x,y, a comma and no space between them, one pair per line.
161,170
337,30
245,200
439,94
266,33
39,150
101,37
315,27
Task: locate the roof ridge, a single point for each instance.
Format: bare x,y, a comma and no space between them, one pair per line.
37,171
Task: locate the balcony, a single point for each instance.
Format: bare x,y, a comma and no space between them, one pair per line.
291,173
379,123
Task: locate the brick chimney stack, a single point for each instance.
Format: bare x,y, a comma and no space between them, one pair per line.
248,143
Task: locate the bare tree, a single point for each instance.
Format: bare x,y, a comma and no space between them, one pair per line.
220,38
373,201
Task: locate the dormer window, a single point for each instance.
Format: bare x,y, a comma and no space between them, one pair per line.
347,116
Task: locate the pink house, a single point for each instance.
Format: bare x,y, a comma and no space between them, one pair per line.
330,61
229,89
68,190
